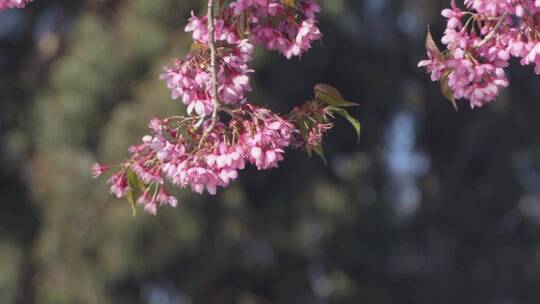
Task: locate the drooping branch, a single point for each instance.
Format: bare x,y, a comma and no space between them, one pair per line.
201,152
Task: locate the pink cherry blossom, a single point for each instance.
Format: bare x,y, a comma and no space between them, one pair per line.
119,184
265,138
7,4
189,78
98,170
315,116
473,64
296,28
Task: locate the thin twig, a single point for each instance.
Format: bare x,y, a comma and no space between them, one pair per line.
213,59
213,70
493,31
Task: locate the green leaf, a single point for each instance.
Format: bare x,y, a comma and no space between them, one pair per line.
328,89
319,150
291,3
131,199
133,183
196,46
303,128
432,47
336,102
331,96
447,91
241,27
353,121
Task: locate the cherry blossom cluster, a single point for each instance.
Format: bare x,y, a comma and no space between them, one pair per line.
243,24
480,41
176,152
313,121
189,78
282,26
223,132
7,4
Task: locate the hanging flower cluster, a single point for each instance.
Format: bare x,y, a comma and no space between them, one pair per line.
287,27
223,132
480,42
7,4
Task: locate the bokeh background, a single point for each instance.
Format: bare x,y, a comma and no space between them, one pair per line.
432,206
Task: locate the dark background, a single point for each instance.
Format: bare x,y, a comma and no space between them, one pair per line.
432,207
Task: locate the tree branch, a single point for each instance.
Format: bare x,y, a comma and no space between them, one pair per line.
213,69
493,31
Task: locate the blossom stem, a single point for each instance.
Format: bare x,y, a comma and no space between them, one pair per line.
213,70
493,31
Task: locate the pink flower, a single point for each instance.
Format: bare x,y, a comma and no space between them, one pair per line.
6,4
265,138
296,29
98,170
119,184
454,16
223,32
164,198
149,202
533,57
434,66
189,79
